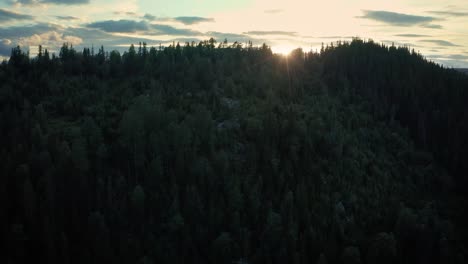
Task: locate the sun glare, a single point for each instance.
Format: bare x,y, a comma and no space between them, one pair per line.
283,49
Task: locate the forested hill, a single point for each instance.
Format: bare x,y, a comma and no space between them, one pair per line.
464,70
219,153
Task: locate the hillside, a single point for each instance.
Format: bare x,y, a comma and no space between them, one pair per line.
462,70
205,154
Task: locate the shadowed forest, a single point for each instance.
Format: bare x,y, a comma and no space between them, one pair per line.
228,153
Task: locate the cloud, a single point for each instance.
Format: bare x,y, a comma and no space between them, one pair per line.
6,15
440,42
273,11
233,37
25,2
399,44
432,26
122,26
190,20
449,13
397,19
450,60
170,30
131,26
51,38
98,37
21,31
221,36
411,35
186,20
458,57
95,37
274,32
333,37
66,17
66,2
58,2
5,47
225,35
125,13
149,17
182,41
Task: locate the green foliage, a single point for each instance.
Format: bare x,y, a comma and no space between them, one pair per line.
198,154
382,249
79,155
138,199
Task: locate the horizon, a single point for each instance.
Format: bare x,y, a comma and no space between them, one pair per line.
281,50
430,28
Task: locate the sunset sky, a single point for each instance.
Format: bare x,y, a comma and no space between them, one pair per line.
438,29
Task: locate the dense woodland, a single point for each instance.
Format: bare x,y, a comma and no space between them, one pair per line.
227,153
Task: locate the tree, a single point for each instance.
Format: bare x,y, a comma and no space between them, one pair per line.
99,238
222,248
79,155
18,59
383,249
138,201
115,63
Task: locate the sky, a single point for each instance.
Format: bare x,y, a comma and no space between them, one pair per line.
435,28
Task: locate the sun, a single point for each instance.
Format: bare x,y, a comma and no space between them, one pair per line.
284,50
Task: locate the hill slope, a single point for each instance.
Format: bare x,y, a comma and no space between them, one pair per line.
199,154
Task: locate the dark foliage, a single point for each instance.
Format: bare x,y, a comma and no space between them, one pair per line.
231,154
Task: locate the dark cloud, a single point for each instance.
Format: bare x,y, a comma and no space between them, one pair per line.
274,32
440,42
186,20
22,31
432,26
396,19
221,36
6,15
334,37
123,25
89,34
125,13
149,17
458,57
185,40
411,35
449,13
96,38
170,30
190,20
25,2
58,2
452,60
273,11
66,17
66,2
131,26
328,37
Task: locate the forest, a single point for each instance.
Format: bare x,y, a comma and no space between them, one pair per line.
228,153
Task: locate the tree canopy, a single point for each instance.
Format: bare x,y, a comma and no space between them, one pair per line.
205,153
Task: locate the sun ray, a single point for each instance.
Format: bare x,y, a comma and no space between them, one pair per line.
283,49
